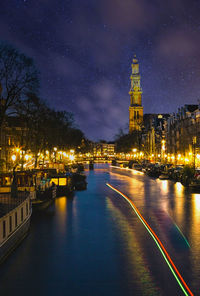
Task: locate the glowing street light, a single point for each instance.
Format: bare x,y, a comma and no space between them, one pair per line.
71,157
13,157
26,157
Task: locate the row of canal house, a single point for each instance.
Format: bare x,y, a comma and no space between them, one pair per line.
173,137
153,134
12,135
183,134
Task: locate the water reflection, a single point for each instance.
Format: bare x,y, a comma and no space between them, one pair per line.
179,188
61,217
174,213
60,204
92,244
164,186
196,205
134,257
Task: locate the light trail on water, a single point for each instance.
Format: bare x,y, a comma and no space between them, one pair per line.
159,244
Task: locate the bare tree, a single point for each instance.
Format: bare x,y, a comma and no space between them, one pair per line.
18,76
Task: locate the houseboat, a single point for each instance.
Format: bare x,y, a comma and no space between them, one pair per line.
15,214
63,183
36,183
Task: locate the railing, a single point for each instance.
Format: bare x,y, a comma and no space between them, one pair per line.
16,212
8,203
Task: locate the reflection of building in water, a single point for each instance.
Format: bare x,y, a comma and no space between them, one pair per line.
194,234
61,208
164,186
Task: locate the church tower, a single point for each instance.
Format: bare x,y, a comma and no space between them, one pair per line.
135,109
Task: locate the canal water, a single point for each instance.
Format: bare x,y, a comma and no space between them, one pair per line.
94,243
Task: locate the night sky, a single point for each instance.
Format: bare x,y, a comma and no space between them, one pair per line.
84,50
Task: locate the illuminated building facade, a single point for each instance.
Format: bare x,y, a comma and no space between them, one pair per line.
104,150
154,133
135,108
12,134
183,132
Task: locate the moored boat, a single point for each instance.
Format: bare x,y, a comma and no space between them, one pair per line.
37,183
164,176
44,198
63,183
79,181
15,214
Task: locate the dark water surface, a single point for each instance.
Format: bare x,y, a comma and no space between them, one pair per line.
94,244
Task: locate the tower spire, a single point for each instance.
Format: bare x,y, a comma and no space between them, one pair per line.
135,109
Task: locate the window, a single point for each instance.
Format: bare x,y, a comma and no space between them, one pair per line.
4,229
10,223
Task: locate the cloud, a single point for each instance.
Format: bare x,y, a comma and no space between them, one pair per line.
105,111
178,43
126,15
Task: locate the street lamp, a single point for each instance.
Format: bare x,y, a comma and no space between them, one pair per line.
71,157
13,157
26,156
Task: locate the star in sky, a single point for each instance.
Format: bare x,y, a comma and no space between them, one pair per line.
84,51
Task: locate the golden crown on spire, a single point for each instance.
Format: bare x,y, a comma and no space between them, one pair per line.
135,61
